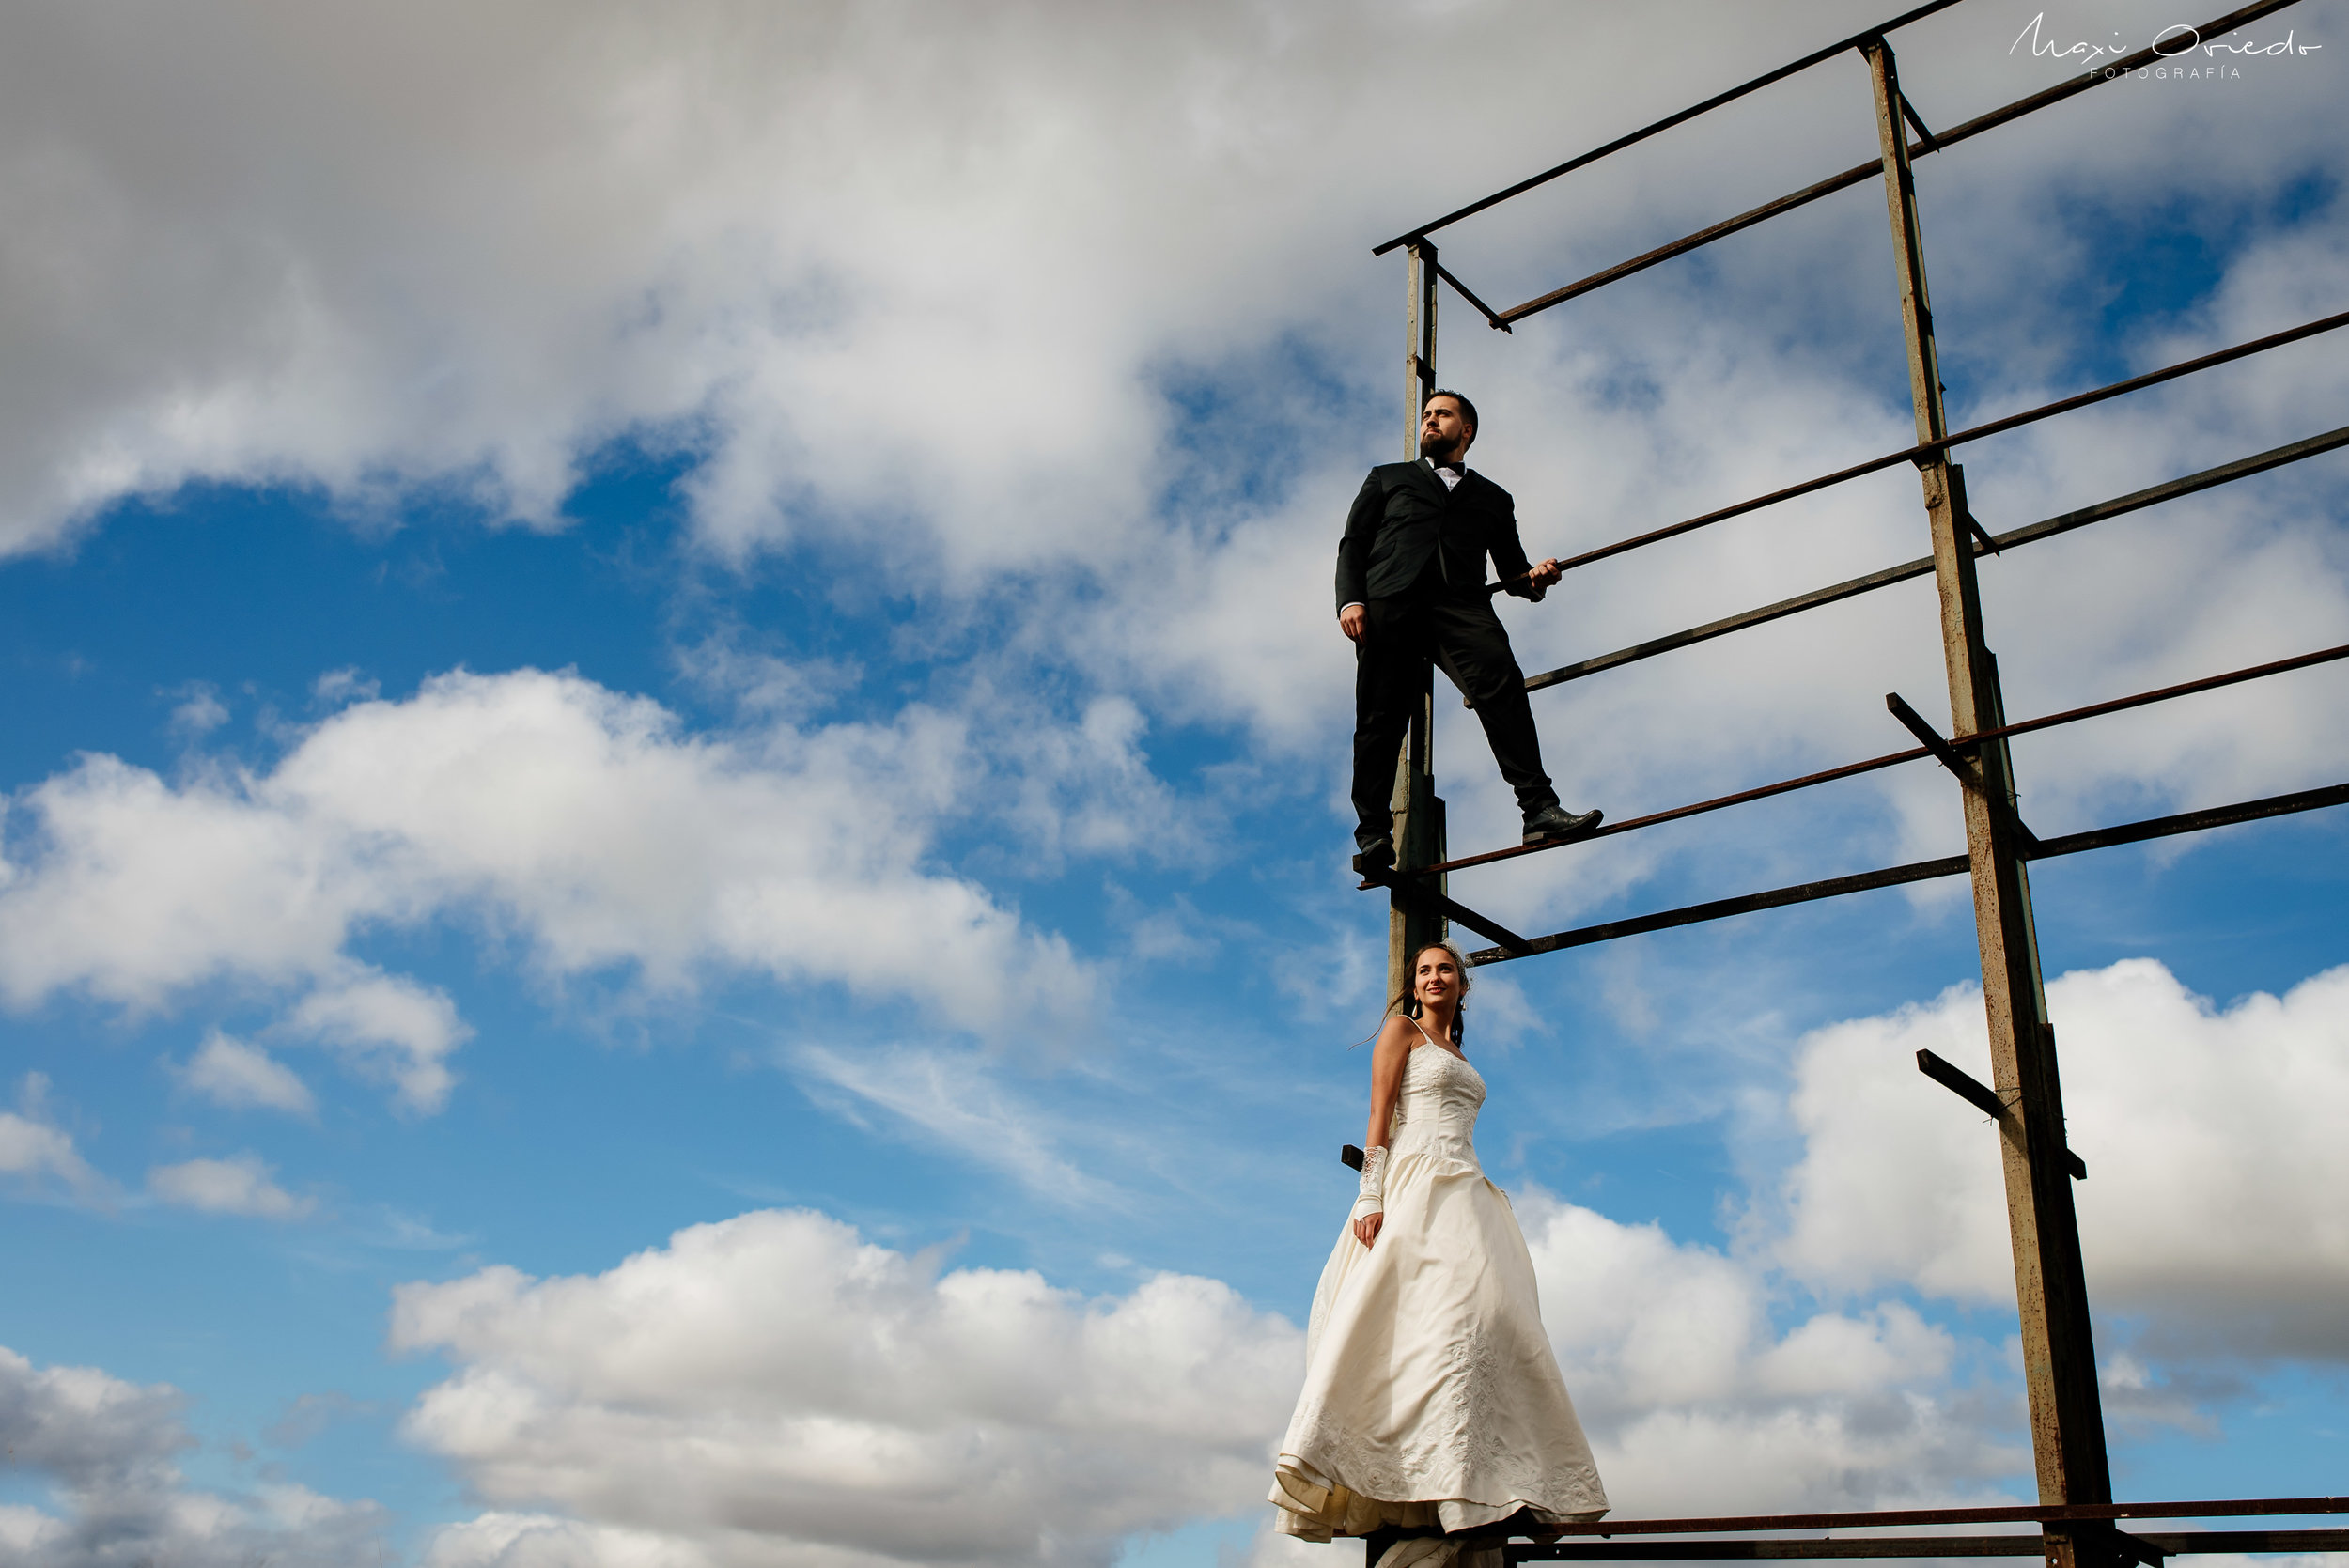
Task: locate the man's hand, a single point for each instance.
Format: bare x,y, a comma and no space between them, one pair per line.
1542,578
1366,1228
1350,620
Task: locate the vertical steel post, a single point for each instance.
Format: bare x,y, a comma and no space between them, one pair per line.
1418,815
2058,1354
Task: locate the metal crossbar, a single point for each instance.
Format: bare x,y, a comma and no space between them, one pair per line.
2187,1543
1918,871
1927,449
1815,58
1853,175
2242,468
1892,759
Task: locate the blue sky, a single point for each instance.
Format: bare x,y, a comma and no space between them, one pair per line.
672,885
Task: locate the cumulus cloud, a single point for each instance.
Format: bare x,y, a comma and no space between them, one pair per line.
241,1185
579,822
106,1447
775,1390
471,258
228,1072
2211,1136
1081,296
1697,1404
34,1149
395,1028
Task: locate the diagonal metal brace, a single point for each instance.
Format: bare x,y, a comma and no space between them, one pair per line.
1908,113
1964,767
1459,914
1967,1087
1943,752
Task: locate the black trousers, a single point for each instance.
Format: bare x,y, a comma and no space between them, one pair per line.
1402,637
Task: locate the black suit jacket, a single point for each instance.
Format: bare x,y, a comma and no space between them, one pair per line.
1405,515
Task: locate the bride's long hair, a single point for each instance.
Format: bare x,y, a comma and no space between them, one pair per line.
1406,1000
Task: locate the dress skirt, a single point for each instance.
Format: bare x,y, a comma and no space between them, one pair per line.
1432,1397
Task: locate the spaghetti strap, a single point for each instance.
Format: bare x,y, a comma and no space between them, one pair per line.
1423,1033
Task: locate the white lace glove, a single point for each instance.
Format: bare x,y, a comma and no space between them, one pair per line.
1373,1198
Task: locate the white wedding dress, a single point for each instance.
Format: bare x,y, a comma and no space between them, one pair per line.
1432,1398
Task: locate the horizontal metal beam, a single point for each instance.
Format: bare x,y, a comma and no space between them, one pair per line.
1918,871
2161,694
1719,802
2191,822
2169,1544
2078,83
1815,58
1930,448
2242,468
1852,770
1995,1513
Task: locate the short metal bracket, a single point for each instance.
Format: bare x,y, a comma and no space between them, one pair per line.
1966,772
1967,1087
1459,914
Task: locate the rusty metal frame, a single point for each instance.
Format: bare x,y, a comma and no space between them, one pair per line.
2076,1515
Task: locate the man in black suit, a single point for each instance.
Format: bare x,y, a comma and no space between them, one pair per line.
1412,590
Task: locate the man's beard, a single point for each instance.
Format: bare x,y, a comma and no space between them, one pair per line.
1442,452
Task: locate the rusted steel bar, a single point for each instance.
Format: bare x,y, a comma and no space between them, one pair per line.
2241,467
2193,821
1850,769
2184,689
1722,908
1857,175
1861,1547
1930,449
1642,134
1634,824
1997,1513
1922,871
2170,1543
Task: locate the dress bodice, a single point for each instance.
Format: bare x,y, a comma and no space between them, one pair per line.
1435,1111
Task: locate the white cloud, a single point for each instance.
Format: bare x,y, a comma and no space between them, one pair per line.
33,1147
228,1072
105,1448
2211,1136
772,1389
1696,1404
201,713
541,806
395,1027
957,1099
240,1183
968,260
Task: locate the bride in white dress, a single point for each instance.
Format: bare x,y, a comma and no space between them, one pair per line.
1431,1401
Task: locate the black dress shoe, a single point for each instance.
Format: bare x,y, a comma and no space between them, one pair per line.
1553,823
1377,855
